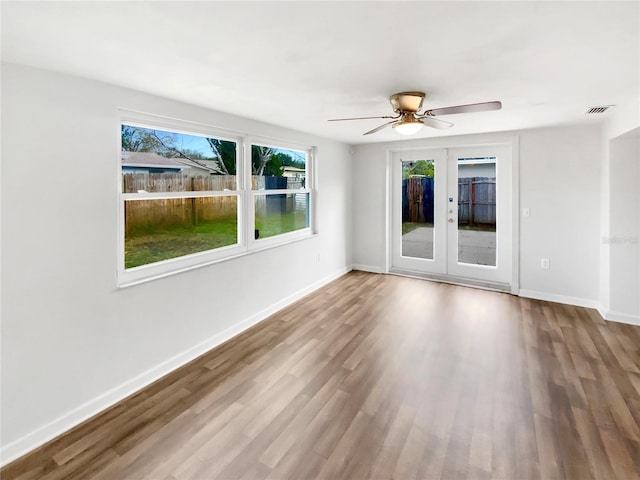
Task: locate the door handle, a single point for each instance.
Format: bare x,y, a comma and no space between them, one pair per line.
451,220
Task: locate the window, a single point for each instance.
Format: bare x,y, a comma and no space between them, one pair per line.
191,195
280,196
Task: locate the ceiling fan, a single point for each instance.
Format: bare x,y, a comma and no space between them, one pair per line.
408,121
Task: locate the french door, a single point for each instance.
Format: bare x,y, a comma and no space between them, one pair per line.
451,213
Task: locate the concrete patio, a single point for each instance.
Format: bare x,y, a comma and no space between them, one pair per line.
475,247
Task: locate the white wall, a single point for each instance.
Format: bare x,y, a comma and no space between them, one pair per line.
72,343
624,228
559,183
369,206
620,128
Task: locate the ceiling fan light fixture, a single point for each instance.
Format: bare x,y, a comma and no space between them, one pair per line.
408,121
408,125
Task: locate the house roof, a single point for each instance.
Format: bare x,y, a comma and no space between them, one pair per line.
288,168
475,161
153,160
548,62
149,159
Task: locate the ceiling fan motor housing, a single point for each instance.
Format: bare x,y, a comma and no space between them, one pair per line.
407,101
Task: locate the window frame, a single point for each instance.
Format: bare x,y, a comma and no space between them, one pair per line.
246,243
294,235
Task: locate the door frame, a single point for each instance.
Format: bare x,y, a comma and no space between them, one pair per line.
511,142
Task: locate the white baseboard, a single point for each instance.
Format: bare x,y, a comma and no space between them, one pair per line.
620,317
552,297
55,428
583,302
367,268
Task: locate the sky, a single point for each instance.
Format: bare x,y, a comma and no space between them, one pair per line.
189,142
200,144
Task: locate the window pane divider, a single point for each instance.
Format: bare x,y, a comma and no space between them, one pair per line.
281,191
168,195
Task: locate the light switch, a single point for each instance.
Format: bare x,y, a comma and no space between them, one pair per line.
526,212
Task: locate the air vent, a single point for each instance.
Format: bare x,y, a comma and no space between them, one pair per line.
600,109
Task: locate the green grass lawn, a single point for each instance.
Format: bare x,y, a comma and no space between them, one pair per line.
270,225
155,244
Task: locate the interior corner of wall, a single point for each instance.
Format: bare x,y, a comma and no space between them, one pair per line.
623,118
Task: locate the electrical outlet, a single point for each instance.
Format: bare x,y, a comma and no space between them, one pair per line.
544,264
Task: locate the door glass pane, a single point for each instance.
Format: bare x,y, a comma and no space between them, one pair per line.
418,210
477,211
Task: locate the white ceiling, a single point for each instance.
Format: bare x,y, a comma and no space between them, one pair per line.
297,64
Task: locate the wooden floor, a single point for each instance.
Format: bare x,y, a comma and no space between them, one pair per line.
377,376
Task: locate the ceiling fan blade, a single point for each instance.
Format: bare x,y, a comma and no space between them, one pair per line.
435,122
360,118
472,107
377,129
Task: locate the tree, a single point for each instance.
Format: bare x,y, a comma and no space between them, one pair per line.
260,156
226,152
138,139
420,167
274,167
289,161
167,149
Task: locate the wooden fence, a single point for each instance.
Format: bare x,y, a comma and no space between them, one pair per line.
180,182
147,215
476,200
150,215
417,200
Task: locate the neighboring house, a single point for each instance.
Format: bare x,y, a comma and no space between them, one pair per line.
477,167
293,172
149,162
